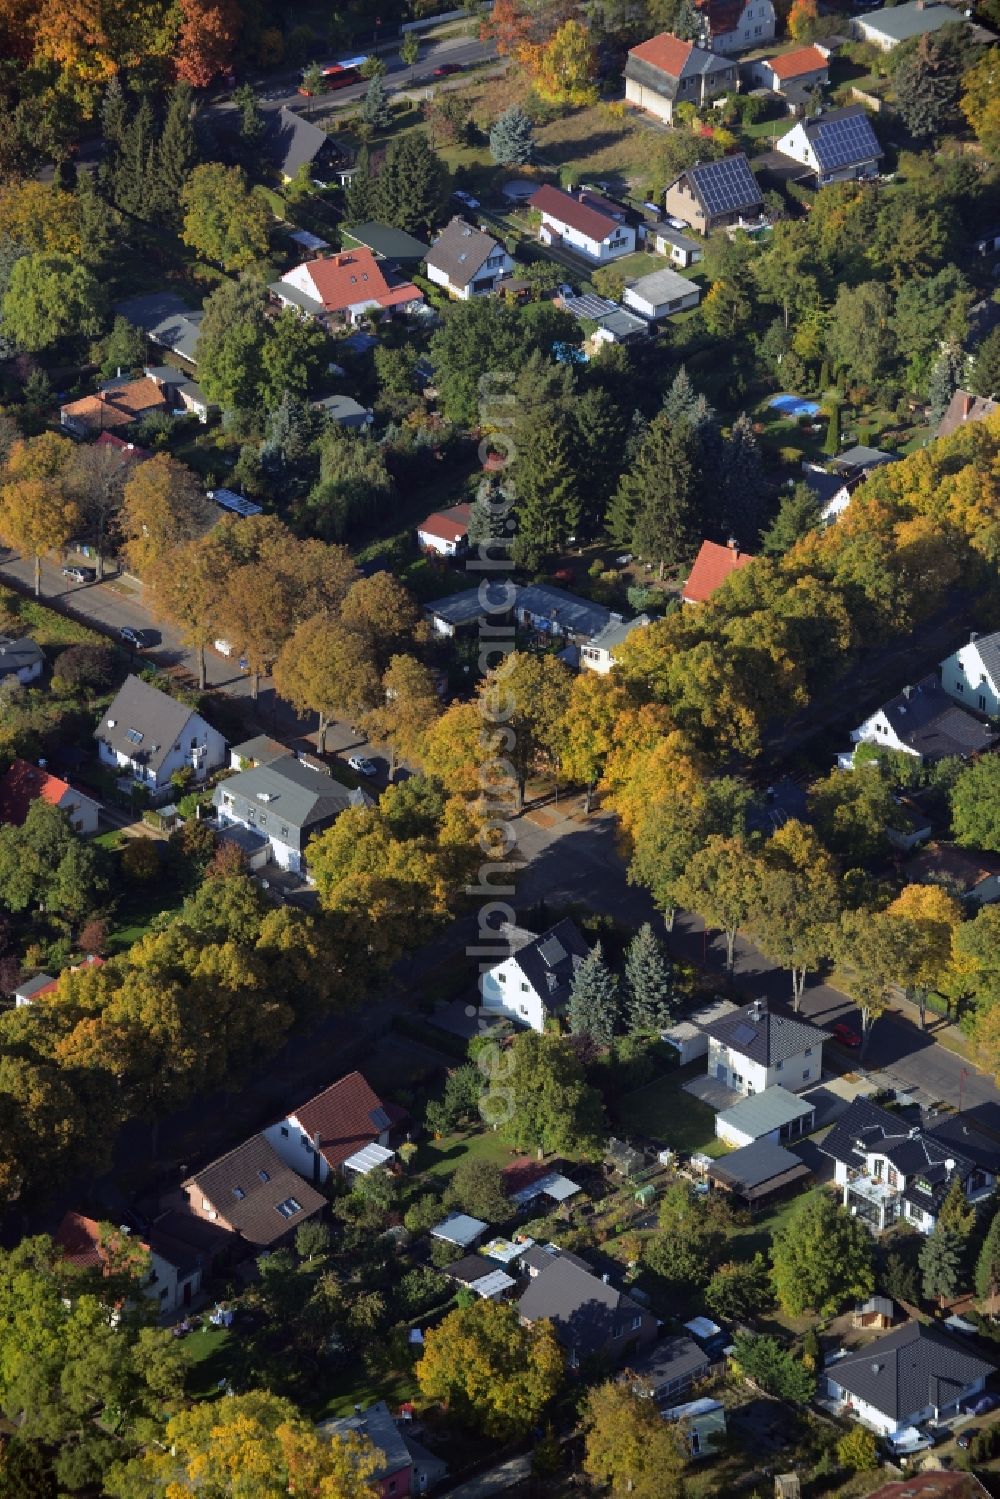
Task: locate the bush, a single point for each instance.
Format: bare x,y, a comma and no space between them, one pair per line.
82,668
141,860
858,1450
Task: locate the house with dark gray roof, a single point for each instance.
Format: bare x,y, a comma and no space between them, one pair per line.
926,721
148,736
534,982
598,653
467,262
759,1172
547,610
670,1368
892,1170
251,1192
291,142
971,675
23,659
916,1373
407,1466
754,1048
287,802
166,319
386,242
591,1317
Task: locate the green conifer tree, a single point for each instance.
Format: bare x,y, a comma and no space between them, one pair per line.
988,1263
375,106
941,1257
594,1005
176,153
548,488
512,142
650,995
654,508
361,193
413,185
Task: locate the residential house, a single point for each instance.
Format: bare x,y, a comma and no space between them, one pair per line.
291,143
753,1049
445,532
260,750
345,411
969,874
285,802
458,612
585,223
715,194
344,288
114,408
598,653
794,74
480,1275
182,394
758,1173
590,1317
148,736
689,1037
25,783
891,1170
965,407
712,567
460,1229
661,294
553,611
833,491
321,1136
29,991
668,241
534,982
736,25
618,326
23,659
666,71
670,1368
894,24
165,318
857,462
837,146
774,1115
916,1373
128,450
174,1276
386,242
971,675
251,1192
925,721
407,1466
467,262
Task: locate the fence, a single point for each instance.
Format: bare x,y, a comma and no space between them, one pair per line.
448,15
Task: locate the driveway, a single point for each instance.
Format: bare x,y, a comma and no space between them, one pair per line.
497,1481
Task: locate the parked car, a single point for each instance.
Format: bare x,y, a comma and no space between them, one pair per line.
978,1405
362,766
846,1034
465,198
139,640
964,1440
445,71
80,574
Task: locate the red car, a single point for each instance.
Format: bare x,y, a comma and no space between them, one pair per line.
446,69
845,1034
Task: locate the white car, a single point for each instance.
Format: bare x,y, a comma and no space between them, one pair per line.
362,766
466,198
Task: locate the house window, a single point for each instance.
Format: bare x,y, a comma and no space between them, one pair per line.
959,686
284,1131
982,703
524,1009
501,977
289,1207
265,1176
239,1194
780,1065
284,832
163,1294
893,1177
808,1052
524,988
194,744
806,1074
637,1322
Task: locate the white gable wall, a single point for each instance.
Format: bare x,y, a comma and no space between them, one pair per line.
965,678
621,241
740,1072
878,730
506,991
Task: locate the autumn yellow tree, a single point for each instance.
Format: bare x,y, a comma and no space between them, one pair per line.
256,616
802,20
72,35
794,901
410,705
563,69
488,1369
586,734
629,1448
163,508
921,923
382,610
980,101
184,587
326,669
37,514
41,217
454,746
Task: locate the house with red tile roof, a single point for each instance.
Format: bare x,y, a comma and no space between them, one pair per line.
445,531
584,223
344,287
712,567
322,1135
174,1276
735,25
129,451
25,783
114,408
666,71
791,74
42,984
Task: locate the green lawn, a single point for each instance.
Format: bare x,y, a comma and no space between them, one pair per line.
210,1356
663,1112
360,1386
438,1159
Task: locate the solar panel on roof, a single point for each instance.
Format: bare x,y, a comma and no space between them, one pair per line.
844,142
743,1034
726,185
589,306
552,952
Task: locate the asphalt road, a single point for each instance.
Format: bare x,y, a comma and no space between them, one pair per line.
578,862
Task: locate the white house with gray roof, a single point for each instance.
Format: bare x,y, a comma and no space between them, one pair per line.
895,24
598,653
149,736
285,802
661,294
916,1373
971,675
535,981
753,1049
774,1115
467,262
23,659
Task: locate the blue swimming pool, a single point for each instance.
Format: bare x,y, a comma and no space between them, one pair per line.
793,406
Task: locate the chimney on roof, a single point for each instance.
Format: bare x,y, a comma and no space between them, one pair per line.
733,545
42,764
965,404
757,1011
907,692
973,636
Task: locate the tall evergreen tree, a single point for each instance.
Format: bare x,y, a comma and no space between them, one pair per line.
176,153
798,514
650,995
548,488
743,480
487,522
599,437
988,1263
682,403
512,142
114,119
136,167
941,1256
375,106
594,1004
361,193
412,186
288,449
941,385
654,508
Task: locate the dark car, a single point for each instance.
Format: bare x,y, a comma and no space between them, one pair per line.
80,574
139,640
964,1440
978,1405
846,1034
446,69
